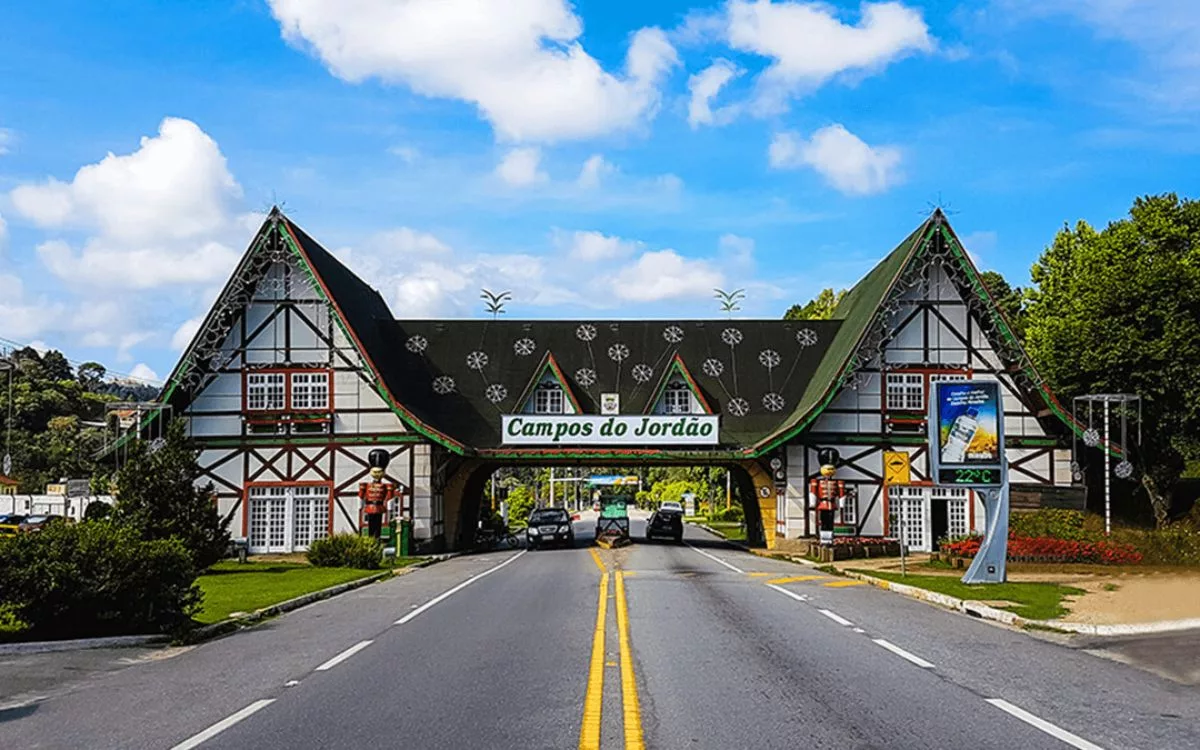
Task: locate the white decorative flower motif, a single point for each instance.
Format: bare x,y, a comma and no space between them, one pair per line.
585,376
586,332
738,407
773,402
642,372
443,385
524,347
731,336
1091,437
157,444
1124,470
477,360
618,352
673,334
416,344
496,393
713,368
769,358
806,337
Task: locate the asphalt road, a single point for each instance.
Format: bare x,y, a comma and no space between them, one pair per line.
701,646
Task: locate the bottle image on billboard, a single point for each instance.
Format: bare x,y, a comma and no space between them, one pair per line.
962,432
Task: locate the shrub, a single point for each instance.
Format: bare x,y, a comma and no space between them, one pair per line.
1176,544
733,513
1053,523
96,578
1046,549
346,551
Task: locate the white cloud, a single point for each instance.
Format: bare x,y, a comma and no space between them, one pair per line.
842,158
6,139
594,246
736,250
3,232
24,317
593,172
185,333
39,346
519,61
704,87
809,45
406,241
142,371
407,154
665,274
521,167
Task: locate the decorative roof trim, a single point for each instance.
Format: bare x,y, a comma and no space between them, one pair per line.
549,363
677,365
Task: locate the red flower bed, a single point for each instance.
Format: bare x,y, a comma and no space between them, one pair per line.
1045,549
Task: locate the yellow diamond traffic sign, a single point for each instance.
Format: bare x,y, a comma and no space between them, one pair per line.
896,467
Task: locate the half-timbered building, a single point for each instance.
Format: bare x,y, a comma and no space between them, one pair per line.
300,369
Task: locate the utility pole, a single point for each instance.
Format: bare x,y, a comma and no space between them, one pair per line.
728,491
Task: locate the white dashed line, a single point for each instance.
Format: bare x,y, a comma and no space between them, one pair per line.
904,654
442,597
786,592
714,558
344,655
223,724
1057,732
859,630
835,617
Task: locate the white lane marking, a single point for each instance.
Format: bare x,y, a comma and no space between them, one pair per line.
344,655
291,683
835,617
1062,734
859,630
442,597
714,558
904,654
793,594
223,724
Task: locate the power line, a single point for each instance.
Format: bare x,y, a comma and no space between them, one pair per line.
76,363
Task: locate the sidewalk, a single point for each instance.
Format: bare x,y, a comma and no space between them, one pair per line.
1116,596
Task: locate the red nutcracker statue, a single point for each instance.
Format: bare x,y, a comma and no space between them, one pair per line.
827,493
377,494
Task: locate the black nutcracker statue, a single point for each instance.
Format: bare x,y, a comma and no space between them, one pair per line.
827,493
377,494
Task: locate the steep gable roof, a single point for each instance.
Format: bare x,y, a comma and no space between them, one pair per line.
677,367
549,364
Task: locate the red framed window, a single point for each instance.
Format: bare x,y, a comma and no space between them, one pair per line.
278,391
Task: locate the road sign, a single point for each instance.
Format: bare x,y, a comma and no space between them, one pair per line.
78,487
897,469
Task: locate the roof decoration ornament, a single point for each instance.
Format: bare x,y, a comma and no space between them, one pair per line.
618,352
496,393
586,332
773,402
731,336
477,360
673,334
769,358
713,367
524,347
495,302
642,372
729,300
444,385
806,337
738,407
416,344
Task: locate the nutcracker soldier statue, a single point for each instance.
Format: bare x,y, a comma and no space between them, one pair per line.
377,494
827,494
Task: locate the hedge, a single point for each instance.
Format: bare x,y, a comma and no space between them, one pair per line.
346,551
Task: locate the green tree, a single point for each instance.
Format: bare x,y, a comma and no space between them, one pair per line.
520,504
1010,300
158,493
91,374
820,308
1118,310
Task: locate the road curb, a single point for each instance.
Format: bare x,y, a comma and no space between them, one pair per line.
984,612
81,644
711,530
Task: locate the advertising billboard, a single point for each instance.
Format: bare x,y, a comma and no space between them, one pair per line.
966,427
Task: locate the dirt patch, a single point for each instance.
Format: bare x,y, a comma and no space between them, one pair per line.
1137,598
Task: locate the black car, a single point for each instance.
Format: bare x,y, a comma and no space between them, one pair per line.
548,527
665,523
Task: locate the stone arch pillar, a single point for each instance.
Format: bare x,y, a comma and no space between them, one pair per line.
755,481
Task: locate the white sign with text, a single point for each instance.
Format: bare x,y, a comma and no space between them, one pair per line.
591,429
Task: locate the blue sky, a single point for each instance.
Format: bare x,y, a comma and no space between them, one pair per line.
599,158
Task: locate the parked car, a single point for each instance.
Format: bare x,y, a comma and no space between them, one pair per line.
665,523
37,523
10,523
549,526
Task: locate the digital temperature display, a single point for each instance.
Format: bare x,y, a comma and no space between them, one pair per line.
976,477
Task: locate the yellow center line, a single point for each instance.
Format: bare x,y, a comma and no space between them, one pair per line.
759,575
589,734
796,579
629,695
596,559
843,584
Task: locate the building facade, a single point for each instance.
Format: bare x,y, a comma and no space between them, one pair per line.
299,370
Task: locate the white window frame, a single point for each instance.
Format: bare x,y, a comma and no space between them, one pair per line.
906,391
548,398
266,391
677,398
958,509
291,531
310,391
914,503
848,514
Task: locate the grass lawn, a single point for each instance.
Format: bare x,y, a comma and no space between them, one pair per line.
231,587
1038,601
732,530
